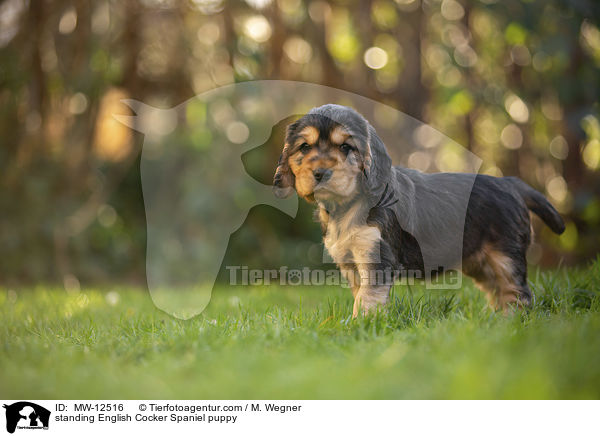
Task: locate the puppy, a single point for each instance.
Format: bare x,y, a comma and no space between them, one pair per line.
378,218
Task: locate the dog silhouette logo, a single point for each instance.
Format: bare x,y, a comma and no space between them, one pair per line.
26,415
197,190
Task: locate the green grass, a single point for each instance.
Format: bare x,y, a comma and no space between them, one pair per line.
301,343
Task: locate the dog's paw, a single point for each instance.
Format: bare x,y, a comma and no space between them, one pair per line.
364,305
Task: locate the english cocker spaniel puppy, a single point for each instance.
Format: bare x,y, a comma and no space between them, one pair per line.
379,220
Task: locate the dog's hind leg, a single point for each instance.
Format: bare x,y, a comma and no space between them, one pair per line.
519,278
502,277
506,292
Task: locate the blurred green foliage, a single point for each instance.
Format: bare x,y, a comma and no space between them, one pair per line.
516,82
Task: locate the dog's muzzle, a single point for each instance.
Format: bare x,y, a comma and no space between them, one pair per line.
321,175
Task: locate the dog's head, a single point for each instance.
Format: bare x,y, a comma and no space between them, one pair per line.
331,154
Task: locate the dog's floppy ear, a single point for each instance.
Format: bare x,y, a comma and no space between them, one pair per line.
377,163
284,179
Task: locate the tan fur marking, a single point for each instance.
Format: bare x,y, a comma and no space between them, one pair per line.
347,242
283,174
353,278
493,272
323,217
365,241
342,184
368,300
338,135
343,235
310,134
365,251
506,291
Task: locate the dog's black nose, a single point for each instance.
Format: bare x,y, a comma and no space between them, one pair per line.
322,174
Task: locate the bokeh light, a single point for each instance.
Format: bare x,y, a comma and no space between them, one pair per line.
376,58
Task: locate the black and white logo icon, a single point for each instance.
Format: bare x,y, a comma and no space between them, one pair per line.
26,415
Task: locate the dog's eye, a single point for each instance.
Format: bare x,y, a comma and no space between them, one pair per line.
305,148
346,148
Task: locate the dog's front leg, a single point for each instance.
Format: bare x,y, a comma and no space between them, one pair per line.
350,273
375,265
369,298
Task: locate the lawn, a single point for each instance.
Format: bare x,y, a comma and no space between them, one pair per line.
291,342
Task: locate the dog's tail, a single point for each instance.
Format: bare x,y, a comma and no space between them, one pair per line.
539,205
